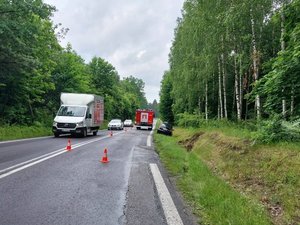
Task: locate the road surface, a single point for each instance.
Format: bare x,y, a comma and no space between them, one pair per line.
42,183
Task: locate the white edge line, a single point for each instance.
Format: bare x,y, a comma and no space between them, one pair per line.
170,211
149,139
24,139
40,159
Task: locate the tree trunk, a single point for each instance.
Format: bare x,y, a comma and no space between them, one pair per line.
199,104
237,90
31,110
206,101
292,101
220,90
224,80
283,49
255,58
241,86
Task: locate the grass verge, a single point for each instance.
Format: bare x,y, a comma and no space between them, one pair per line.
19,132
213,198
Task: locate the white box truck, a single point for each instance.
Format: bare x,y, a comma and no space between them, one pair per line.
79,114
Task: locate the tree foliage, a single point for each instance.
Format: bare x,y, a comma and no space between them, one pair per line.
35,69
166,101
227,61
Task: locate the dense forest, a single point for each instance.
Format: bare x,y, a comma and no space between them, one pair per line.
35,69
235,60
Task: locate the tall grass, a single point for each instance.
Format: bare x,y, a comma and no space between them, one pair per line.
212,199
19,132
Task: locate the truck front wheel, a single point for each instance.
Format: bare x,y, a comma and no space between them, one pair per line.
84,132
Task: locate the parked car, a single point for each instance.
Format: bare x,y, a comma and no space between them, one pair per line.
165,129
128,123
168,125
115,124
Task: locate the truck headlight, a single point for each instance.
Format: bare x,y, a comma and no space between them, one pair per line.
80,124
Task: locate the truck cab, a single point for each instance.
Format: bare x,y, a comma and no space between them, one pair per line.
79,114
144,119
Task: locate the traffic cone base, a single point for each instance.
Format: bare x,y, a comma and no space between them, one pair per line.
104,158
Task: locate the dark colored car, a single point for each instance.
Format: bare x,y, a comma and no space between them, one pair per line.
168,125
165,128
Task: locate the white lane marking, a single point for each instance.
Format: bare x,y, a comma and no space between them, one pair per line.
31,162
170,211
149,139
25,139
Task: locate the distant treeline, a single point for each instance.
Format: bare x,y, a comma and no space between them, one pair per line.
236,60
35,69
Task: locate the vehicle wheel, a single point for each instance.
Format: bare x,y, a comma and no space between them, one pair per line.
84,133
95,133
56,134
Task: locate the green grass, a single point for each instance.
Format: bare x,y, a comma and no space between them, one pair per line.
19,132
211,197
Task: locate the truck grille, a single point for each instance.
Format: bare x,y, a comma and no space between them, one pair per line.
66,125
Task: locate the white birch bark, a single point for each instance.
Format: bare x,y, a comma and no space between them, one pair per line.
237,89
241,86
255,64
224,80
292,101
220,89
283,49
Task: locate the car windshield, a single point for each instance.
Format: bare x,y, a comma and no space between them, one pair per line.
74,111
115,121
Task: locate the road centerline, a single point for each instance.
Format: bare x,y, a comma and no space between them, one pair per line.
21,166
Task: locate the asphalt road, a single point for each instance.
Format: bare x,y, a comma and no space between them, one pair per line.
41,183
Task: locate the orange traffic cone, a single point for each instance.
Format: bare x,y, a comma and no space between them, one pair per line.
69,147
105,158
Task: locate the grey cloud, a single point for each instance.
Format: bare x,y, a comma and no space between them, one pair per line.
119,31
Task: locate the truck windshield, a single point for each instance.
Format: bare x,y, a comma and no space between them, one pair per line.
75,111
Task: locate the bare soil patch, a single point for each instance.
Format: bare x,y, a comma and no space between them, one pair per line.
190,142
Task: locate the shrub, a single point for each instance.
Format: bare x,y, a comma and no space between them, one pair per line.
276,130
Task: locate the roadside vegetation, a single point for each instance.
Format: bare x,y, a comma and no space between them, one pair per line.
37,130
230,179
233,92
20,132
35,69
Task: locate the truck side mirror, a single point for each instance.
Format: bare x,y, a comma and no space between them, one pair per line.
90,116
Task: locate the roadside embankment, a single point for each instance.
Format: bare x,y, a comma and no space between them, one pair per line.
19,132
231,180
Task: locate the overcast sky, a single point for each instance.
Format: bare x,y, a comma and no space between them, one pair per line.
135,36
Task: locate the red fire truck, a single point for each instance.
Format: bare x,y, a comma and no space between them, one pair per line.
144,119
